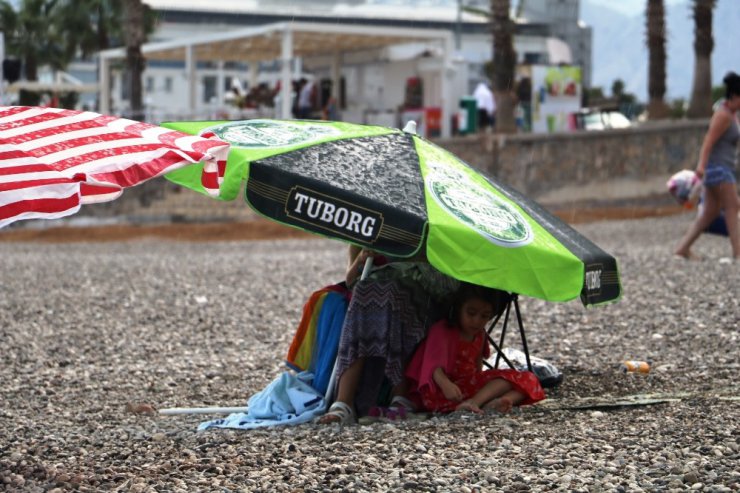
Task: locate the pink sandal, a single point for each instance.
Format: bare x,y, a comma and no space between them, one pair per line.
398,410
392,413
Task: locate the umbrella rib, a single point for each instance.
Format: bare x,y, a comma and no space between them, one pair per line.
399,235
267,191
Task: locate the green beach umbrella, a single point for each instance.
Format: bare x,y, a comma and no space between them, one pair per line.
396,193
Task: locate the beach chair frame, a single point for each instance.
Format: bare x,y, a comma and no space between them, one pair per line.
513,301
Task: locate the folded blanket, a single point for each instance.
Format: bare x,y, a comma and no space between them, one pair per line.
288,400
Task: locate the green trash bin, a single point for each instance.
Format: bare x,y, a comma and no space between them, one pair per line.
468,121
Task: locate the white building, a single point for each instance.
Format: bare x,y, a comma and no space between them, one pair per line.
376,79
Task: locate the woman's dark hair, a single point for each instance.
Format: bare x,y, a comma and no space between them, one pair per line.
466,292
732,85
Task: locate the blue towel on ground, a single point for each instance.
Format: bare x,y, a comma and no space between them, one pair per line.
328,331
288,400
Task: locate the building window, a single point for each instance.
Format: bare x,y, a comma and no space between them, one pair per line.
533,58
150,84
168,84
125,86
209,88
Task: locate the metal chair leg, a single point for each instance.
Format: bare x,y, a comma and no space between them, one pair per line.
521,332
503,333
514,300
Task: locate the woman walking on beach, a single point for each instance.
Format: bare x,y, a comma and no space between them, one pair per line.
717,162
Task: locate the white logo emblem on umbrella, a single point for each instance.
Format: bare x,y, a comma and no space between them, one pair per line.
477,207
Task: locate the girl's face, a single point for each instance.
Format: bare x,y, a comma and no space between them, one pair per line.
474,315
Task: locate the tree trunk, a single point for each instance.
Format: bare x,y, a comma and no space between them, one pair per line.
134,36
31,68
657,108
504,65
102,28
700,105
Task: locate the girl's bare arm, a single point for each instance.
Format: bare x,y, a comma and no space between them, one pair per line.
448,387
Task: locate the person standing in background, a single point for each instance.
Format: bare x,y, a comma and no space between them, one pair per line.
486,104
306,99
524,96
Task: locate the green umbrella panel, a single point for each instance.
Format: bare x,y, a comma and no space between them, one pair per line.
395,192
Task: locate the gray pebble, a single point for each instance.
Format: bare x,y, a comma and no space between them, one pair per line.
88,328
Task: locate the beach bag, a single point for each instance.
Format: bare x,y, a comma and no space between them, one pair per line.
547,373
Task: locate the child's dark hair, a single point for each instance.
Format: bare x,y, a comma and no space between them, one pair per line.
732,85
498,299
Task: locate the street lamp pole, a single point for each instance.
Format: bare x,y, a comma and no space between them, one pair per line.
2,75
458,26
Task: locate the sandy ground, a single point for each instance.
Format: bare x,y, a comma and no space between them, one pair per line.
262,229
95,335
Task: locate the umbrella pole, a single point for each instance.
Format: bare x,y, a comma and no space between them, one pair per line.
202,410
366,268
329,396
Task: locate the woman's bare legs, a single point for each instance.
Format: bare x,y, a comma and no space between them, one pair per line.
710,211
729,202
346,388
401,391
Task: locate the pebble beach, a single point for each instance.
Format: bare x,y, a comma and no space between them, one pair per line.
96,337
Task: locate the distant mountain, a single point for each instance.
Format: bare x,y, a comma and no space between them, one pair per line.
620,52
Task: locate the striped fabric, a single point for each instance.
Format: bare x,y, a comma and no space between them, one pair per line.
54,160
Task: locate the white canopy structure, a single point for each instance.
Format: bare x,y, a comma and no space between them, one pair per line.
33,85
284,41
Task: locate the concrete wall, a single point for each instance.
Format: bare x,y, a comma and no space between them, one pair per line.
586,165
553,169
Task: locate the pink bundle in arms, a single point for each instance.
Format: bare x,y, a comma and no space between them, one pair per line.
685,186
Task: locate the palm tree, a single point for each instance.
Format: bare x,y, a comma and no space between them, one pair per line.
657,108
93,25
504,64
31,37
89,25
700,105
134,35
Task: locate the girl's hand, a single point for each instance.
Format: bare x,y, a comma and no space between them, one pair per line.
452,392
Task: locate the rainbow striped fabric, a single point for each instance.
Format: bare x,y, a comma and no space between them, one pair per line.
315,343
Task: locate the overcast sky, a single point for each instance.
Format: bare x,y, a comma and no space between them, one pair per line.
631,7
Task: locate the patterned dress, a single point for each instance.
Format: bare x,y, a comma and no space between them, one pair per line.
387,317
381,322
467,374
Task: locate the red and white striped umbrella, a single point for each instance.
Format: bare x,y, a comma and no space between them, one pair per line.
52,160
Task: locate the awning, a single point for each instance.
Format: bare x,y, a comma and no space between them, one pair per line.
36,86
284,41
263,43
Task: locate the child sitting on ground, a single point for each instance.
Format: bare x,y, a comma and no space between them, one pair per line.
446,370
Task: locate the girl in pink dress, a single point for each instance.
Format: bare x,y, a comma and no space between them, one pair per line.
446,370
